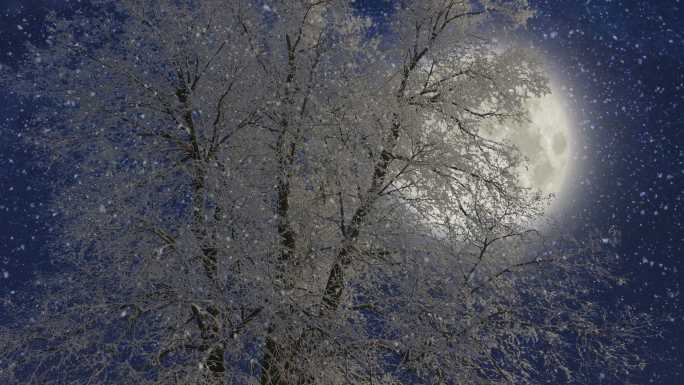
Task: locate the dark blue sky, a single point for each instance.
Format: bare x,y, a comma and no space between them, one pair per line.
623,60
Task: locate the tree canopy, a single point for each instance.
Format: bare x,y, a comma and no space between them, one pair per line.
266,192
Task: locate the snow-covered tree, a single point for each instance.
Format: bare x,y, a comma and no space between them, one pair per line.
265,192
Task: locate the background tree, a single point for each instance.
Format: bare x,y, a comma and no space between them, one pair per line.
263,192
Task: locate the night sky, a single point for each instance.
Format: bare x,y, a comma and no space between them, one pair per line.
622,65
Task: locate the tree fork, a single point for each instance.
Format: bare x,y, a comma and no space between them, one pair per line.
335,284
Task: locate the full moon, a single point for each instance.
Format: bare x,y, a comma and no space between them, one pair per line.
544,140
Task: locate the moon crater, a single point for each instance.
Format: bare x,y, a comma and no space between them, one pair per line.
544,140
